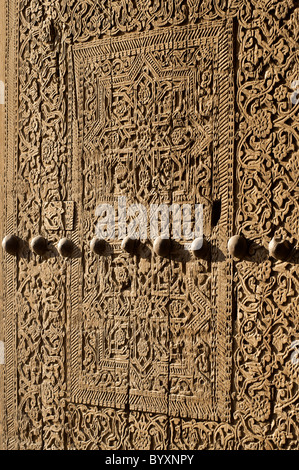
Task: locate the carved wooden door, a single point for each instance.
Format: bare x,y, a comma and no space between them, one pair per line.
137,105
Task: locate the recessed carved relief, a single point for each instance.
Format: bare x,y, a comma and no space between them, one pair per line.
58,215
146,132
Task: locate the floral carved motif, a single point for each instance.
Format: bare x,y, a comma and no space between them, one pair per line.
169,101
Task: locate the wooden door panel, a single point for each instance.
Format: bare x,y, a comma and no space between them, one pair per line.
175,103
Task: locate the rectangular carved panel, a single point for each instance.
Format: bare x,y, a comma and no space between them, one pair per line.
153,124
58,215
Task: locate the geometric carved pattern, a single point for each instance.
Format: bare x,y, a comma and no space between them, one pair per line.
145,338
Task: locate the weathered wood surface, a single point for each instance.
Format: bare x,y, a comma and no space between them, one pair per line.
160,102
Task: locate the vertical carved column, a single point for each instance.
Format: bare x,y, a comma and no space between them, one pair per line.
29,293
42,179
3,51
267,291
55,186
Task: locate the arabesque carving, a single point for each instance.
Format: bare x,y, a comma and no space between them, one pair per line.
181,102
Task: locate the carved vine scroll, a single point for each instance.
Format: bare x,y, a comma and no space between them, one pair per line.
127,352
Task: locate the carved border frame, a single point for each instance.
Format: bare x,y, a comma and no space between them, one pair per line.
10,224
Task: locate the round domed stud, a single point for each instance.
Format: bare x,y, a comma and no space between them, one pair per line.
237,246
199,247
11,244
279,249
98,245
65,247
162,246
130,245
39,245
